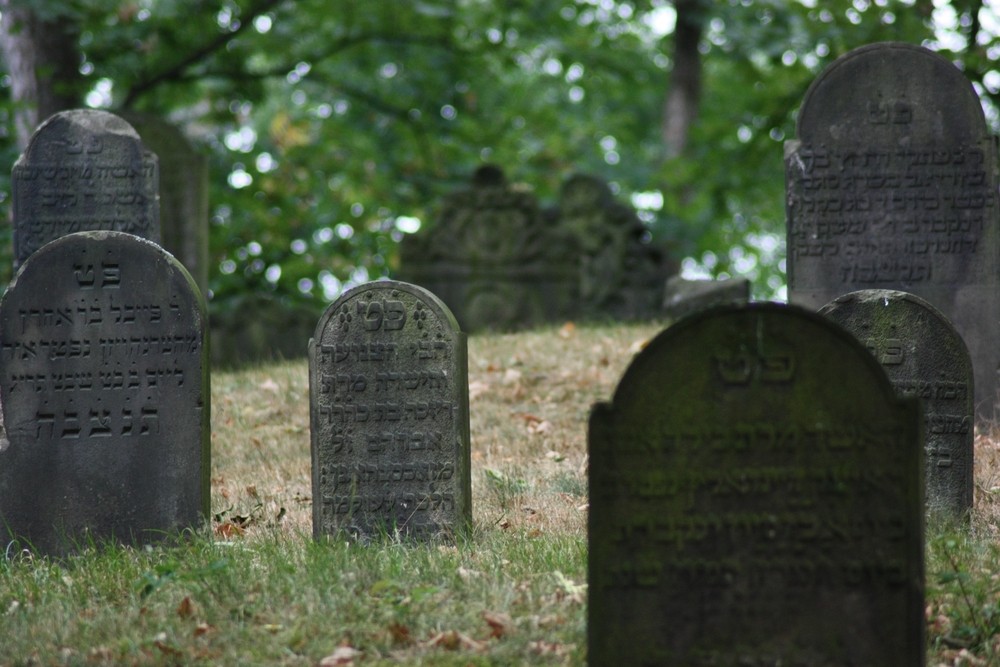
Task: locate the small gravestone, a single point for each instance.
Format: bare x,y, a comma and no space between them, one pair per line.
389,413
83,170
683,297
105,394
892,184
924,357
755,499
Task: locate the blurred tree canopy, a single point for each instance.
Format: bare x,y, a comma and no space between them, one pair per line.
335,126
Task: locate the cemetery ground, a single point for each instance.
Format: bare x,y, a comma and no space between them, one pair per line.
254,588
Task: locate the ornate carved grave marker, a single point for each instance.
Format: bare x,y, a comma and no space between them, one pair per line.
389,412
891,184
83,170
924,357
105,393
766,510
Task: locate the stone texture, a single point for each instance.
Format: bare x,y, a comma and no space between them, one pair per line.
684,297
891,184
83,170
389,415
926,358
755,499
105,393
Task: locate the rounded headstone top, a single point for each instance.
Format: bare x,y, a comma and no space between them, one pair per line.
50,139
426,298
902,89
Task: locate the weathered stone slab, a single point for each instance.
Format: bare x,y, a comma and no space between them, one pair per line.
389,411
926,358
105,393
683,297
83,170
755,499
892,184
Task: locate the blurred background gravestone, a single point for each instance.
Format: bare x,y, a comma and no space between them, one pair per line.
83,170
502,262
755,499
892,184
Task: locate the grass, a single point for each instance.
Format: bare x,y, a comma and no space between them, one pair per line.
254,589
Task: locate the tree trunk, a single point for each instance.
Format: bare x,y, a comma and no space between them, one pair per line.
684,94
43,61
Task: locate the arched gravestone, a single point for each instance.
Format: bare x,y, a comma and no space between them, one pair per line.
389,414
891,184
926,358
83,170
755,499
105,392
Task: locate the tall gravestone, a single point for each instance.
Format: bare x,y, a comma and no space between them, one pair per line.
892,184
389,414
926,358
83,170
105,393
755,499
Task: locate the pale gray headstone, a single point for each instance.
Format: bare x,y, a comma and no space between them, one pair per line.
926,358
105,392
892,184
755,499
389,413
83,170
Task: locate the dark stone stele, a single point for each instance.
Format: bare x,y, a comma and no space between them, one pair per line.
105,392
83,170
389,415
755,499
924,356
892,184
683,297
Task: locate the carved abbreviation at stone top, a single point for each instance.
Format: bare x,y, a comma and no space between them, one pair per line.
892,184
924,357
83,170
756,513
388,385
105,393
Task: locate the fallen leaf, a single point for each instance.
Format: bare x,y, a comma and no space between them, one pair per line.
160,642
550,648
186,608
567,330
500,623
203,629
477,388
228,531
400,634
539,428
342,656
452,641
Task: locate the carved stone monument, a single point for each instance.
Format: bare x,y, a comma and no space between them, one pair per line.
502,262
892,184
83,170
766,510
389,414
105,393
926,358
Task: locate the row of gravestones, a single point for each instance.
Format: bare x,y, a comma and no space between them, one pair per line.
777,487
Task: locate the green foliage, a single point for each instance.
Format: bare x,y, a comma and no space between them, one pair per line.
329,120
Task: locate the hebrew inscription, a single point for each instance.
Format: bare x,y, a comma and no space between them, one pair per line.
892,184
756,512
83,170
105,396
389,415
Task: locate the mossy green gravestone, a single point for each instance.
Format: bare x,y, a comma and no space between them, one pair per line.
389,414
83,170
755,499
892,184
926,358
105,393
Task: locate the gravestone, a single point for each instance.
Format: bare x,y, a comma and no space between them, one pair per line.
183,193
683,297
926,358
83,170
389,415
105,393
891,184
755,499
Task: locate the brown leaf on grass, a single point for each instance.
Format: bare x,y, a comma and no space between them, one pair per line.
186,608
453,641
541,647
499,622
343,656
567,330
539,428
203,629
160,642
399,633
228,531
